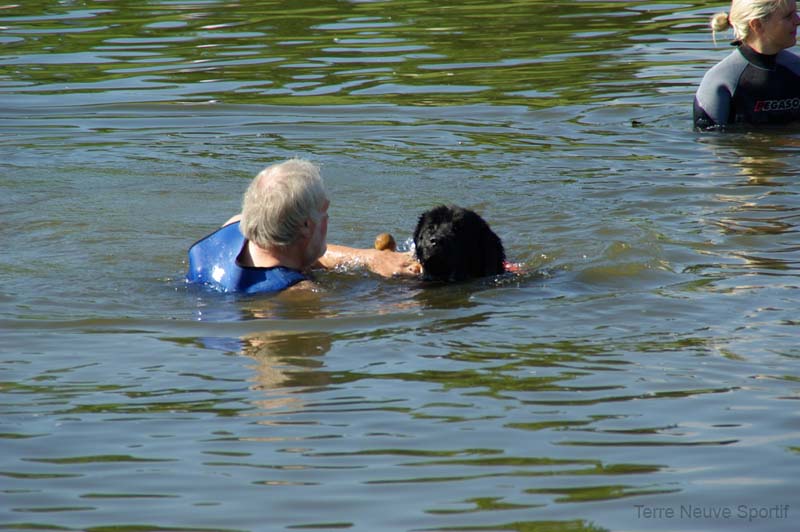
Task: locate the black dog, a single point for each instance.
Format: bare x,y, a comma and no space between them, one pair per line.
455,244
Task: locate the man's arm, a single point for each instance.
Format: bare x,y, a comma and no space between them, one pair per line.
384,263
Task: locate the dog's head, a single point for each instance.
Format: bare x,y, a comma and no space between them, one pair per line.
455,244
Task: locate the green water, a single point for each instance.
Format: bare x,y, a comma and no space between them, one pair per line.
643,375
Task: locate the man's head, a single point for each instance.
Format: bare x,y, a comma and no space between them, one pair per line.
455,244
286,204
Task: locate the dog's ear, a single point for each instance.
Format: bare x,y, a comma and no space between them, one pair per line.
494,254
486,254
418,228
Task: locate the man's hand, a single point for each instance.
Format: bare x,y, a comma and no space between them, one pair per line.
393,264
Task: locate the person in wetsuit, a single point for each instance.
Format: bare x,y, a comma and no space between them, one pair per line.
759,82
279,236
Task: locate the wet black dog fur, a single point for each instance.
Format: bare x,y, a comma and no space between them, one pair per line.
456,244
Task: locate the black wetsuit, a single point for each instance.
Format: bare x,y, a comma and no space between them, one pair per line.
750,88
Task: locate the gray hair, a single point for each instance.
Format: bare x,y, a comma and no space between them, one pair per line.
279,200
742,12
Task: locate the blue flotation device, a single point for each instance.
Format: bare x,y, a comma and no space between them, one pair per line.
213,262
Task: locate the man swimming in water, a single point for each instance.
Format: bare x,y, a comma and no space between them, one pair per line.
280,236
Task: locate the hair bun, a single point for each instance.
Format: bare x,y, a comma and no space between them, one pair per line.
720,22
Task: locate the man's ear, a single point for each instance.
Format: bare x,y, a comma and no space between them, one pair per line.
307,228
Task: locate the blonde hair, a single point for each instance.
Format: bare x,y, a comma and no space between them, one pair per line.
741,14
279,201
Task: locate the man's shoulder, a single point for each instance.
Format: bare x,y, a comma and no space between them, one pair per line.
232,220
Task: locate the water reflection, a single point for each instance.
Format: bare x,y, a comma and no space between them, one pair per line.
475,394
756,214
287,360
762,158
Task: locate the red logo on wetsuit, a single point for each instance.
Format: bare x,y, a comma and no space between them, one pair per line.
789,104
